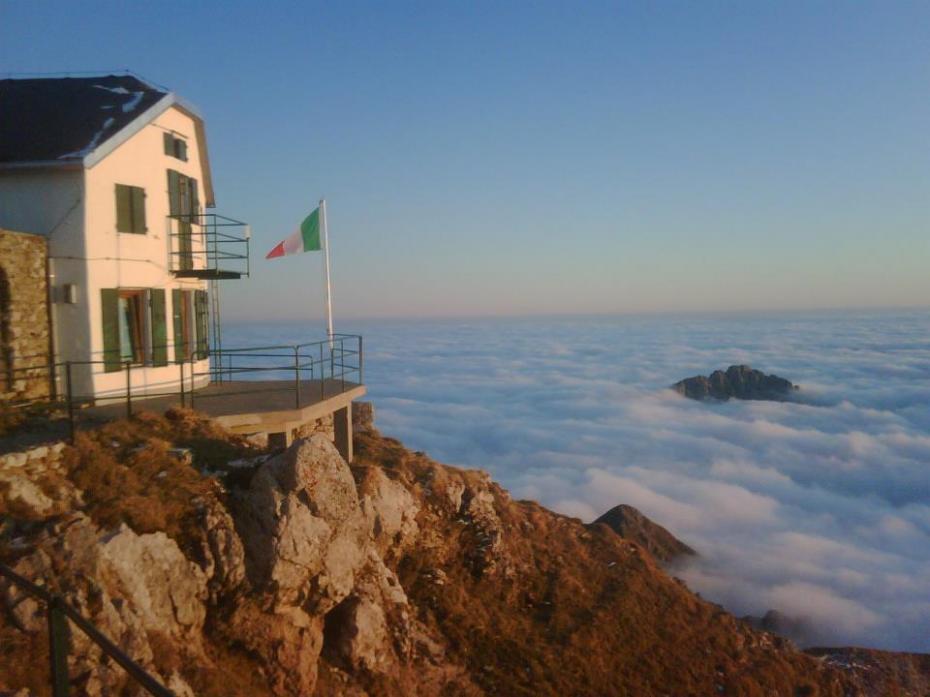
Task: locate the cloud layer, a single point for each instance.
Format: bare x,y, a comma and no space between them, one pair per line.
819,509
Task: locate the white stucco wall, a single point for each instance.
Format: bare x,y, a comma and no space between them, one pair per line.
128,260
76,209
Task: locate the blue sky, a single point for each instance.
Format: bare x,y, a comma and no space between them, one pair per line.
544,158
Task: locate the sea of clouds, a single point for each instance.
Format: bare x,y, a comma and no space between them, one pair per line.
818,508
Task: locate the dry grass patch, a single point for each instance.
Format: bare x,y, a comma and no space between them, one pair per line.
129,475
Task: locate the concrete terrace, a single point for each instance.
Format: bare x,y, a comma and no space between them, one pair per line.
271,407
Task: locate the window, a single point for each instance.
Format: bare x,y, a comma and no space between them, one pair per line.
191,324
131,326
130,209
175,147
184,205
201,317
134,327
183,196
181,302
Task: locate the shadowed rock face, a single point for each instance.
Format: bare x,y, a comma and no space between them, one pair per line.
632,525
738,382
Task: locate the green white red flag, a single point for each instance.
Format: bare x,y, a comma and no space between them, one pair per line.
311,236
306,238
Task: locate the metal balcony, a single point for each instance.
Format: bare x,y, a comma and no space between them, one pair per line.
208,246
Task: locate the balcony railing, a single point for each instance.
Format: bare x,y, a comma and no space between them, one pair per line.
208,246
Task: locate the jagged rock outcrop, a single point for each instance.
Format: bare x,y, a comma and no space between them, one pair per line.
306,539
220,553
131,587
631,524
737,382
389,508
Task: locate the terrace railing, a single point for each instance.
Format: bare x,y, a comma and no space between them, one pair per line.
304,373
311,371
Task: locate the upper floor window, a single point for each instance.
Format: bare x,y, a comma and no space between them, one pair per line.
175,147
130,209
183,198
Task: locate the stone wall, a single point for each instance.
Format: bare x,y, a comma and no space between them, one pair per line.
33,483
24,325
363,416
322,425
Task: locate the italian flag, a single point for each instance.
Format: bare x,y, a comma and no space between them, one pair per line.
306,238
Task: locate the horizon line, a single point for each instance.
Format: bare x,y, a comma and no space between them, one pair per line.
621,313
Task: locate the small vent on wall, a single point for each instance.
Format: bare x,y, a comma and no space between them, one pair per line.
69,294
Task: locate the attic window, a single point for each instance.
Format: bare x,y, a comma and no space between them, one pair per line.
175,147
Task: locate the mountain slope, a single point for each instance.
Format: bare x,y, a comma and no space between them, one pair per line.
297,574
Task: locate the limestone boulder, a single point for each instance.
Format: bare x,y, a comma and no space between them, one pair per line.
165,589
302,527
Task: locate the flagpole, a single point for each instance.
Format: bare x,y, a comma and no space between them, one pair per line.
329,286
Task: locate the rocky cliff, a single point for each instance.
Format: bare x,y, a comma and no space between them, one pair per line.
251,573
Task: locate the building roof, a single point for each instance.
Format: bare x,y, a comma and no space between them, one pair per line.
77,121
65,119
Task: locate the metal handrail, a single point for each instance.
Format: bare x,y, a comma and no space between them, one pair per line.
335,363
57,613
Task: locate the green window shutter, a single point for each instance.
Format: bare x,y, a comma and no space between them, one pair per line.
200,313
195,198
138,209
181,149
185,247
180,352
123,208
109,310
169,143
174,192
159,328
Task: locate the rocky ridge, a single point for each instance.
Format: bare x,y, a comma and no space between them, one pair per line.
736,382
631,524
300,574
